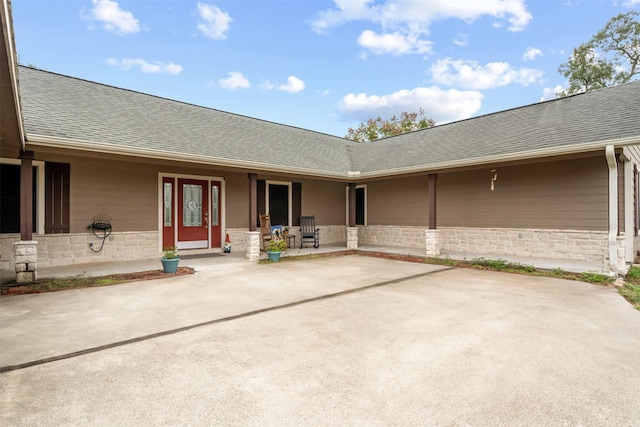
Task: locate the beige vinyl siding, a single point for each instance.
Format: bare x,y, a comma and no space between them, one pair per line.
326,200
127,192
401,201
569,194
237,200
634,152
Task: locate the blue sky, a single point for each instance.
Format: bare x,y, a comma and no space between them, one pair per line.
319,65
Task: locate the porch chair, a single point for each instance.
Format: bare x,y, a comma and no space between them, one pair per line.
308,230
265,230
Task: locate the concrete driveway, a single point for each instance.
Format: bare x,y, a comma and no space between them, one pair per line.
349,340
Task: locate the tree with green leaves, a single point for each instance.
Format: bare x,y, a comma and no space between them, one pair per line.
611,57
379,128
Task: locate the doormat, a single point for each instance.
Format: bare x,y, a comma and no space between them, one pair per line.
196,256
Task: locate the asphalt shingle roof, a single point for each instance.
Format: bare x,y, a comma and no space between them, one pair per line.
79,110
601,115
65,107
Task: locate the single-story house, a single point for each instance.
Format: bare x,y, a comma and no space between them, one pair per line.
556,179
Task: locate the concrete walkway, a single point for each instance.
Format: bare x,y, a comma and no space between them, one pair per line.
347,340
106,268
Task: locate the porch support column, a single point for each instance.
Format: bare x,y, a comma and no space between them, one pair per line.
253,246
432,200
352,230
253,236
352,238
26,195
253,201
25,251
352,205
432,243
432,235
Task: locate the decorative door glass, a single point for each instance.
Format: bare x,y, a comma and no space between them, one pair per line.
168,208
192,205
215,215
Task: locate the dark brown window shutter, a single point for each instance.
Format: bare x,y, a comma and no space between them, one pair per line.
56,203
296,202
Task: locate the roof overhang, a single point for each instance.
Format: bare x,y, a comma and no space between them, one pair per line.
11,125
96,147
504,158
349,176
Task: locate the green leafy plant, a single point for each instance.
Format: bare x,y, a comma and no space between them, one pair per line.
631,293
596,278
502,265
170,252
633,275
440,261
631,289
276,246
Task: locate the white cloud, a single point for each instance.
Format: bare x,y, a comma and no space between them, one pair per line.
531,54
471,75
235,81
267,85
294,85
404,23
395,43
630,3
550,92
145,67
461,40
348,10
413,13
214,22
113,18
441,105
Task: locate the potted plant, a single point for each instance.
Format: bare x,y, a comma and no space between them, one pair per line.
274,248
170,259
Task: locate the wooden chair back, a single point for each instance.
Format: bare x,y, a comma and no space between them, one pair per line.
265,229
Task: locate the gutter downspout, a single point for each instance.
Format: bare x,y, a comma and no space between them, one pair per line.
610,154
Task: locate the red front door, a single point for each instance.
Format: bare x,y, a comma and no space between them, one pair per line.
193,214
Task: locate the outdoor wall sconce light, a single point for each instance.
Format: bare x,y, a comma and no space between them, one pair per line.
494,177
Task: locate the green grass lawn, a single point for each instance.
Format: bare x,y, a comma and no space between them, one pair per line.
631,288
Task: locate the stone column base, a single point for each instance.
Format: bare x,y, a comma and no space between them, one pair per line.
253,245
26,258
432,242
352,237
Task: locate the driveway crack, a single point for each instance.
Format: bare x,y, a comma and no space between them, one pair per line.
99,348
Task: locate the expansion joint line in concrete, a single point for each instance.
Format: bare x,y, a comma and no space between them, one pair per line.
25,365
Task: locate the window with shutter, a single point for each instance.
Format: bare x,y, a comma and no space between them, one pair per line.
56,203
